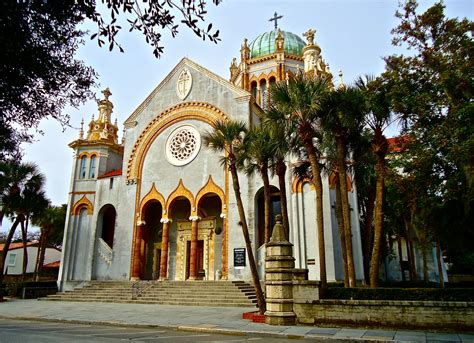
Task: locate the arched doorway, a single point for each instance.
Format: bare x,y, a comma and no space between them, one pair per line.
275,208
152,237
210,237
179,248
104,243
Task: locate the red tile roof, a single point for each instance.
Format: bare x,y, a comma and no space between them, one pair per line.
54,264
397,144
116,172
18,245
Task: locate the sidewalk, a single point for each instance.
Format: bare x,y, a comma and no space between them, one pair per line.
204,319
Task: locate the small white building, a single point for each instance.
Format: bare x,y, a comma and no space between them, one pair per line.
14,261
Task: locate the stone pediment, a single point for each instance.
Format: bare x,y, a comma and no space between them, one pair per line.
182,81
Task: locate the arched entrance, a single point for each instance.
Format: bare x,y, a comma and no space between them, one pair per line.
275,208
179,248
210,237
104,242
152,237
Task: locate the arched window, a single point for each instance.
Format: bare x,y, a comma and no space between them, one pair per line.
92,167
83,167
108,224
253,89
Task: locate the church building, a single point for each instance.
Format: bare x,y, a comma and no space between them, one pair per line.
157,203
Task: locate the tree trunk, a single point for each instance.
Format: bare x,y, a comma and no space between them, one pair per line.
340,225
25,250
267,202
378,231
318,185
17,221
379,147
281,172
369,234
41,253
400,256
253,267
425,263
411,253
346,212
438,261
35,273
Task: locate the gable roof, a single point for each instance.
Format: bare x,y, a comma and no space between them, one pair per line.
19,245
184,62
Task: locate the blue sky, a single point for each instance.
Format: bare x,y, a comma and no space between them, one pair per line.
353,36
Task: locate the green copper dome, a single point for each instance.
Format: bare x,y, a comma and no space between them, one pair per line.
265,44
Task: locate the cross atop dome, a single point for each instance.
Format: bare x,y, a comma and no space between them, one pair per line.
107,93
275,19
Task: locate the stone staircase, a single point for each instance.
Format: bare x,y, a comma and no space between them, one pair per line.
192,293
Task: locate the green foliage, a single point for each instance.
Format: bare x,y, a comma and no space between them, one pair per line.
413,294
40,72
432,90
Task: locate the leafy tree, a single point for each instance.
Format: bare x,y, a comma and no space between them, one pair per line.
40,72
256,151
21,194
299,100
282,136
227,137
342,112
50,221
433,90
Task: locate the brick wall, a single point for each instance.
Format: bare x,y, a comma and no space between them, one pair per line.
397,314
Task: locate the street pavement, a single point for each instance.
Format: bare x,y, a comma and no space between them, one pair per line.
217,320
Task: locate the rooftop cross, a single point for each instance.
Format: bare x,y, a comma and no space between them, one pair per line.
275,19
106,93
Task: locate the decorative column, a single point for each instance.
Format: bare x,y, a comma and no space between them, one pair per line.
279,264
137,248
193,253
164,248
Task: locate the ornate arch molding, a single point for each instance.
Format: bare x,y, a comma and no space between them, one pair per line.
82,203
211,187
298,184
181,191
186,110
153,194
332,182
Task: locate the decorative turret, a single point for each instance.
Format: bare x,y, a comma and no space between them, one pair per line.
314,64
102,129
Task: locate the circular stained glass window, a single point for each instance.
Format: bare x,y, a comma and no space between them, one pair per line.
183,145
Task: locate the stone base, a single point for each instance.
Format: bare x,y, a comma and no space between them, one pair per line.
280,318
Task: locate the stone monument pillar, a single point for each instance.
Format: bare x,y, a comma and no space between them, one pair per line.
279,264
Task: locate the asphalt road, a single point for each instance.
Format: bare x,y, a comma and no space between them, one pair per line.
13,331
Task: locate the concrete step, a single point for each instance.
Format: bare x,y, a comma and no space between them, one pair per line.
192,293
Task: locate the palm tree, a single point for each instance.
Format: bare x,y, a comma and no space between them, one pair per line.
299,100
282,137
21,190
378,118
226,137
256,152
343,111
50,220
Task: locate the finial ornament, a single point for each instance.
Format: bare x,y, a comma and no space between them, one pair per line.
275,19
81,131
107,93
341,80
310,36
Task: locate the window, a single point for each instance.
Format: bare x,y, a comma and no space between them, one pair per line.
92,167
82,169
11,260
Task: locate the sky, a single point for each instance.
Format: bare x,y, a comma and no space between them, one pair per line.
353,35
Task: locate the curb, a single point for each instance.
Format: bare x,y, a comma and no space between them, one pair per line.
187,328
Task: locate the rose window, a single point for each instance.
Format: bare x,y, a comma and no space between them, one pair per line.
183,145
